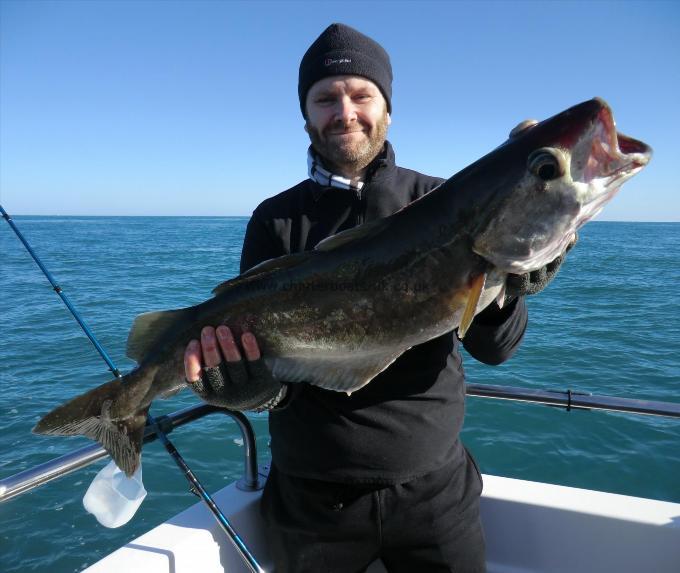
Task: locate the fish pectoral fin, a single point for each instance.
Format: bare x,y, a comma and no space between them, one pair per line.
474,294
149,328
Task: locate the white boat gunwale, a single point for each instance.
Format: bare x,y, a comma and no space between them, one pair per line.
530,526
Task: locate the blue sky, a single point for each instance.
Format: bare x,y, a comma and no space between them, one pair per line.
190,108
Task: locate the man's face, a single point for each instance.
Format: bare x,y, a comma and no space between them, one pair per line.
347,121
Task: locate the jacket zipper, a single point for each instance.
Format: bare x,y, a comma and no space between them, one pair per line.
359,219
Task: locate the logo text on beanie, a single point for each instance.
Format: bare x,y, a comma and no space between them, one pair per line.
331,61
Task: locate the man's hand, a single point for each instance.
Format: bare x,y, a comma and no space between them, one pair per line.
535,281
231,383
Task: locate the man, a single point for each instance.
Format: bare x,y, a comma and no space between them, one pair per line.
380,473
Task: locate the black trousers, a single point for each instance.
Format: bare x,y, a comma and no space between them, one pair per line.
429,524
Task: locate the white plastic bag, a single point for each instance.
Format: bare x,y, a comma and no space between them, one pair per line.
113,498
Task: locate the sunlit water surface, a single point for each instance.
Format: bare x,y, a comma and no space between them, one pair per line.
609,325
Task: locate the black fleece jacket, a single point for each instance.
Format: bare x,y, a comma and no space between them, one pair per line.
406,422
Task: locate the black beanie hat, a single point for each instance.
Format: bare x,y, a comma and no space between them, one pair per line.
341,50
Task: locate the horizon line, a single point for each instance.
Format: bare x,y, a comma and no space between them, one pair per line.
248,216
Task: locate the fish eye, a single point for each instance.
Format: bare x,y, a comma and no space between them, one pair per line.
547,164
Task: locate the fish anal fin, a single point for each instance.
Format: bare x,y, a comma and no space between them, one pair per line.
346,372
149,328
474,293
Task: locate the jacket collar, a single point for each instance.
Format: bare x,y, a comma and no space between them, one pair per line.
377,171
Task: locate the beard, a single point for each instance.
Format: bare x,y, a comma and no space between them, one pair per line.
348,157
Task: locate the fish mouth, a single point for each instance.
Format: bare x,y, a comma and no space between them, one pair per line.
613,154
612,158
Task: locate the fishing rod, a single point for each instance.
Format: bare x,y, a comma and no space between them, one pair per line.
62,294
196,486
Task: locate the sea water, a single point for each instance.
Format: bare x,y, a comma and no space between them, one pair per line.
609,324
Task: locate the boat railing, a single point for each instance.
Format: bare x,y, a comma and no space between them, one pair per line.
570,400
27,480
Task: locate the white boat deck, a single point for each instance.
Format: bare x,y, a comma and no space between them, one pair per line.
530,527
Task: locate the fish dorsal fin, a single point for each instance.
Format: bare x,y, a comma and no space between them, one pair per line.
148,329
293,260
344,237
278,263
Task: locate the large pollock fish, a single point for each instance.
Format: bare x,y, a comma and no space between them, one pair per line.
342,313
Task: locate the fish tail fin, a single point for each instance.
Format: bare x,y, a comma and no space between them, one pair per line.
111,414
